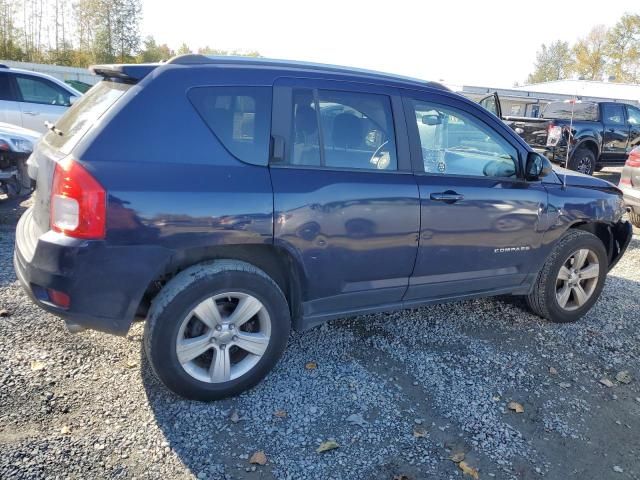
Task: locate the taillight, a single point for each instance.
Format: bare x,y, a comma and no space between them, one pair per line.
554,133
78,202
634,158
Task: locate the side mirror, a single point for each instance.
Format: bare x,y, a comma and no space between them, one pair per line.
431,120
537,166
72,99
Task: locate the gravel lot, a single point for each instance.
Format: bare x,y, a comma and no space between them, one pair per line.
400,393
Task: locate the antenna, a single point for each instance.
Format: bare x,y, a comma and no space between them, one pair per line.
566,162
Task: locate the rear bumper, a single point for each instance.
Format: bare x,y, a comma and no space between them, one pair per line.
105,283
631,198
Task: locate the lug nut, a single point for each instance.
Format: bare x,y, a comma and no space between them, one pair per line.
218,327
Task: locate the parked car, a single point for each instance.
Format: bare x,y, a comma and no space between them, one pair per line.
630,185
300,193
603,132
16,144
80,86
29,99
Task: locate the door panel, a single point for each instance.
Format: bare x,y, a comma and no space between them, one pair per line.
40,101
9,106
346,204
615,137
480,224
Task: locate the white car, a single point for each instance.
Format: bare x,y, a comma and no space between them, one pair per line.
29,99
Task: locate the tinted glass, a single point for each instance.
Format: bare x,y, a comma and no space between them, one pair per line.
455,143
84,113
40,90
613,114
563,111
240,117
633,115
305,133
357,130
5,87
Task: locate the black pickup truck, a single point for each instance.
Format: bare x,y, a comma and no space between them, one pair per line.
602,133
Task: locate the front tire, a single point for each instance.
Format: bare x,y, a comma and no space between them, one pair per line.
216,329
571,279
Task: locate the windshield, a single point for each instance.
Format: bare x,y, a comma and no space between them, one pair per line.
77,121
562,111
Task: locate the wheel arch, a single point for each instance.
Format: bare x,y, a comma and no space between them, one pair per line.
589,143
274,261
614,237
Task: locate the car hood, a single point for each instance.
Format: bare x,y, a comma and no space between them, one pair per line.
19,132
577,179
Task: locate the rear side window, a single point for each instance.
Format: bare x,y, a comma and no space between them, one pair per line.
77,121
240,117
564,110
41,90
613,114
6,92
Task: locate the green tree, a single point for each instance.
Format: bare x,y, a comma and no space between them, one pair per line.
590,54
183,49
623,49
554,62
10,35
152,52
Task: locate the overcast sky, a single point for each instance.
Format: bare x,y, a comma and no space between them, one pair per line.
488,43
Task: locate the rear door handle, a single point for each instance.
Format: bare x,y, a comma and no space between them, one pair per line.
447,197
31,113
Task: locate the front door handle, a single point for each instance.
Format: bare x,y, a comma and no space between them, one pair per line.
447,197
31,113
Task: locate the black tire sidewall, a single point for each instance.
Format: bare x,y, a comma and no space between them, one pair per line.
558,314
163,333
582,153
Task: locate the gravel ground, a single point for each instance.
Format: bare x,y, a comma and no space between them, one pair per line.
400,393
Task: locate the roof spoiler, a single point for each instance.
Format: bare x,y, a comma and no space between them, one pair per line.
124,72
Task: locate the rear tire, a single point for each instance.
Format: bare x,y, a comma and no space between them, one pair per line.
566,262
635,218
194,345
583,160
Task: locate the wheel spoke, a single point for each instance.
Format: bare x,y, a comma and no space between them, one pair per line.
190,348
564,273
579,258
590,271
246,309
579,295
563,295
220,370
208,313
255,343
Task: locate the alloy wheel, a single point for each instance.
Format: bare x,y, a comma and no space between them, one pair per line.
223,337
577,279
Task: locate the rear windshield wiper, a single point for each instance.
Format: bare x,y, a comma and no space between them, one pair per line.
53,128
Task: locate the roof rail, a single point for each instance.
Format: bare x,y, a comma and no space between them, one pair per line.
2,65
198,59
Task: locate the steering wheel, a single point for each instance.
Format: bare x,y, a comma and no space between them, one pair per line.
375,154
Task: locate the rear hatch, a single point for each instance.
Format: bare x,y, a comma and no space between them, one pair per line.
63,138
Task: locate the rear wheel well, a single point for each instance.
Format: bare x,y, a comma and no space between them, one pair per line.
275,262
589,145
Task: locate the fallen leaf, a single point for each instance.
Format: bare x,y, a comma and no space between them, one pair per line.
235,416
65,429
419,432
311,365
516,407
258,458
624,377
606,382
565,384
553,371
618,469
469,470
280,413
457,457
4,312
37,365
328,445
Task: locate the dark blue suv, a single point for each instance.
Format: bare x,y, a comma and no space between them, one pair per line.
227,200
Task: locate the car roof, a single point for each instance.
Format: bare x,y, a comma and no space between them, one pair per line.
57,81
196,59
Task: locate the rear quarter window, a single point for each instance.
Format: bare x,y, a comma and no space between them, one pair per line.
240,117
79,119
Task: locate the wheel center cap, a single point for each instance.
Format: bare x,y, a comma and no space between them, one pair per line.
225,335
